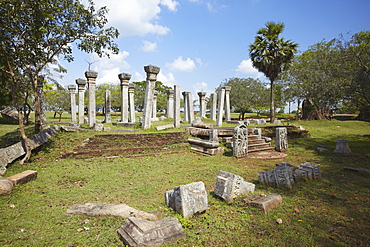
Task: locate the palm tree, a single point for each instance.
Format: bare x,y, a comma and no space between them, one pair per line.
269,54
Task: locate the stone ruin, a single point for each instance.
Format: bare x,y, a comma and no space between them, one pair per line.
286,174
229,186
240,141
141,232
188,199
264,202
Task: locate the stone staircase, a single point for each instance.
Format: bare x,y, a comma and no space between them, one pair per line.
255,144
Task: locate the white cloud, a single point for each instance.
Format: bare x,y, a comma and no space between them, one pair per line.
170,4
246,67
179,64
109,68
167,79
137,17
149,46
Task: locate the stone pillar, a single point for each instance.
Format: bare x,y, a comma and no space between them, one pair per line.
154,109
81,99
190,107
213,106
131,90
108,105
151,77
227,103
176,116
124,78
221,101
91,106
72,93
170,109
186,110
281,139
202,104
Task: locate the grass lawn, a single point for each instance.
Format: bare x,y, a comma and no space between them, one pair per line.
333,211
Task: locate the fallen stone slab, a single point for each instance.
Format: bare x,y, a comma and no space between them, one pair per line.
359,170
6,186
263,202
23,177
141,232
11,153
204,143
187,199
202,125
129,125
207,151
121,210
229,186
164,127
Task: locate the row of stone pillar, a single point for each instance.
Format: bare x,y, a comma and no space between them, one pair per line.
127,99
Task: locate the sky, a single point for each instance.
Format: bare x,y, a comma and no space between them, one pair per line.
199,43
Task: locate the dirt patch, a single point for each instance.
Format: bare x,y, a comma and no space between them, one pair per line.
131,145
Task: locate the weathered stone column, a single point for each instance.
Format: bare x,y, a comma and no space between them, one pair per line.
151,77
124,78
202,104
186,110
190,107
91,106
72,93
281,139
108,105
81,99
154,109
221,101
131,90
213,106
227,103
176,111
170,109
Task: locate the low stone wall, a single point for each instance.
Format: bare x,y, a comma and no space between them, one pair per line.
11,153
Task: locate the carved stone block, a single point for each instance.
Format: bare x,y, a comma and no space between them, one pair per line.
141,232
229,186
187,199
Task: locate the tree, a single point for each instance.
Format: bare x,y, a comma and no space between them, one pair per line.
115,96
140,95
247,95
57,100
43,32
355,67
270,54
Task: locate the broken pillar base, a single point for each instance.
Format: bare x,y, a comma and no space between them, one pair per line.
264,203
141,232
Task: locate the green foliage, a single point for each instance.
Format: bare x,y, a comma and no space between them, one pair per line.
115,96
247,94
333,73
140,88
57,100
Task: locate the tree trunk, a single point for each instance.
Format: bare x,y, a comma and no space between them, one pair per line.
26,141
40,120
364,114
314,112
272,103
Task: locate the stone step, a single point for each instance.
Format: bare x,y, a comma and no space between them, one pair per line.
257,146
261,149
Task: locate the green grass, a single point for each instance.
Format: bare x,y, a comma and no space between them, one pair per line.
334,211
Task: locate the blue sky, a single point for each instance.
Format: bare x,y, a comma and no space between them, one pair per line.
199,43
